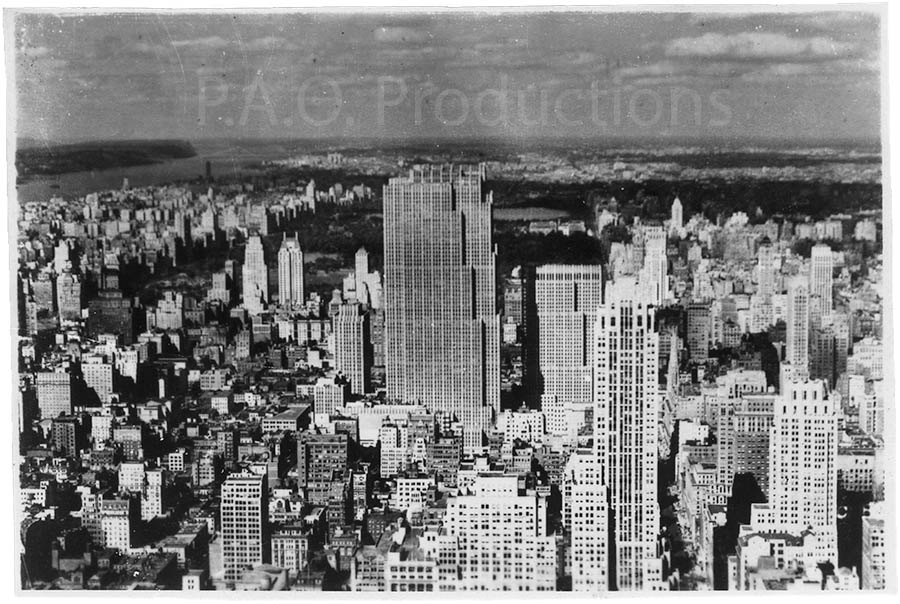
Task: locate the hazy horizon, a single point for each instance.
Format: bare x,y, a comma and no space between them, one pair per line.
695,140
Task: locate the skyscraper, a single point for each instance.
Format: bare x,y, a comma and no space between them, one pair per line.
803,465
256,275
589,524
442,330
68,294
567,298
821,280
625,431
361,272
61,260
290,274
765,268
244,510
352,346
677,222
655,262
698,330
797,353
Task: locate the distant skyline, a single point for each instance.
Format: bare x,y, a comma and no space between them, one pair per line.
805,75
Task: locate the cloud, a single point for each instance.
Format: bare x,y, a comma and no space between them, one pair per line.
207,43
679,71
842,68
758,46
34,52
670,68
395,34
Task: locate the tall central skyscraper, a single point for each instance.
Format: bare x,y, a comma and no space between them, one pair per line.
442,331
290,273
256,275
625,432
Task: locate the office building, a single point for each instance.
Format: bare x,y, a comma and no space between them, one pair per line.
797,348
803,465
153,502
566,298
442,331
110,312
821,280
654,272
698,330
766,270
291,288
54,393
874,548
625,431
68,294
256,276
502,538
67,436
676,222
353,346
243,523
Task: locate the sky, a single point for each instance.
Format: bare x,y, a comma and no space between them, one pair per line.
789,76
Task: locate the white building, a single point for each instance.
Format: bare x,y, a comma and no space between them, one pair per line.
797,353
526,425
290,274
821,279
676,223
413,492
352,356
243,512
586,513
874,548
566,298
625,433
152,501
803,466
501,532
255,275
131,476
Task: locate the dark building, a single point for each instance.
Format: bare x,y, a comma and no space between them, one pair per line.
67,436
111,312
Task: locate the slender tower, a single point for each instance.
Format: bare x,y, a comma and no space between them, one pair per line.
256,275
290,273
821,279
797,352
625,431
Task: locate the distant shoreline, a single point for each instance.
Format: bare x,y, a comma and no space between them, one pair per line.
54,160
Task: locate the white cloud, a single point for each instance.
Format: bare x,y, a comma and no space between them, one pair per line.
758,45
394,34
208,43
34,52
